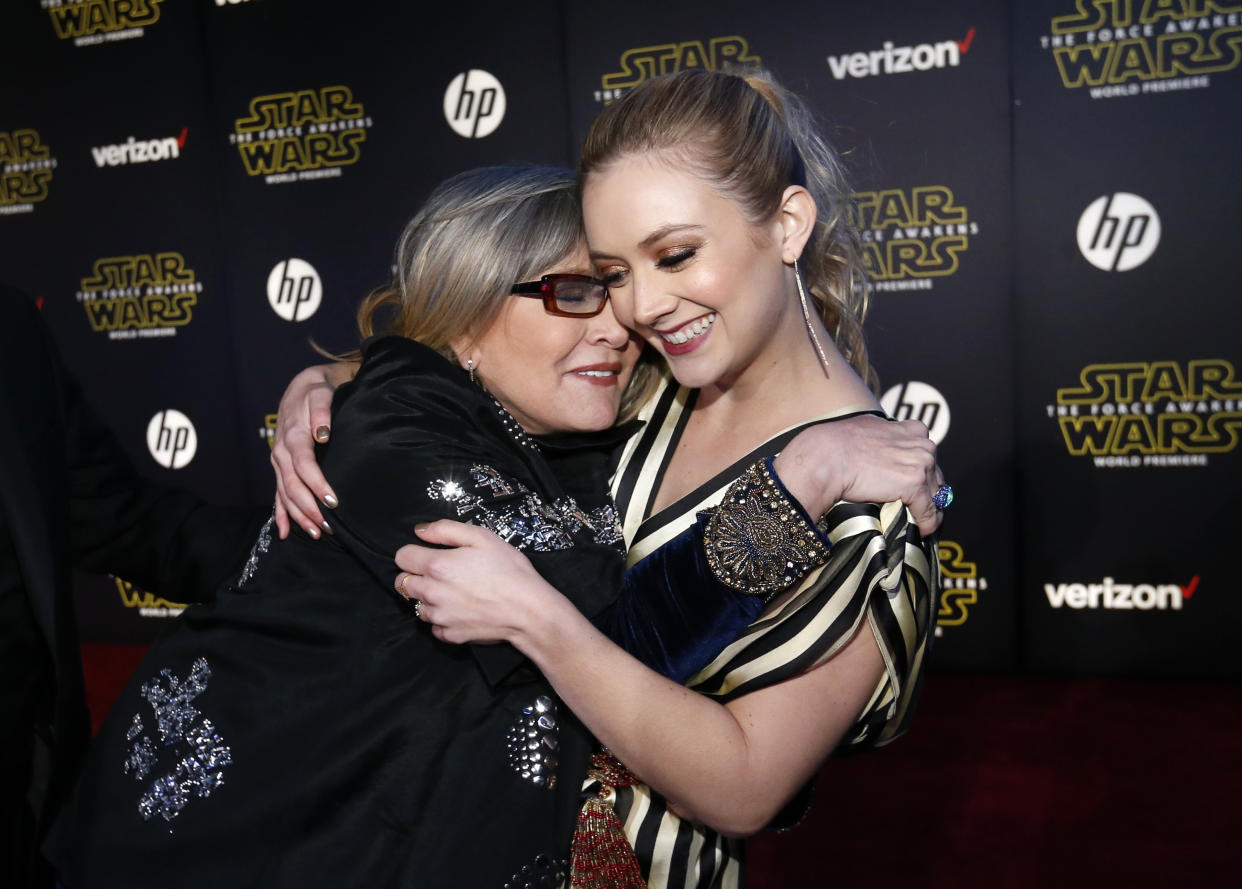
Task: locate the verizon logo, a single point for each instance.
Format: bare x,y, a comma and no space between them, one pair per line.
891,59
1120,596
134,151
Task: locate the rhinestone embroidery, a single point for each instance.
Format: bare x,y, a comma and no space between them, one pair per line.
261,546
142,754
756,541
201,770
519,516
545,872
533,743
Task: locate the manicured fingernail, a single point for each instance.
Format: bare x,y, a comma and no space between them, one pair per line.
419,527
330,501
312,531
324,525
322,433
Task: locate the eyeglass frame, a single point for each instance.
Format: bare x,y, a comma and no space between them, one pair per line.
545,289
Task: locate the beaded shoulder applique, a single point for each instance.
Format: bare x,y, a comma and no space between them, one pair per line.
200,752
519,516
756,540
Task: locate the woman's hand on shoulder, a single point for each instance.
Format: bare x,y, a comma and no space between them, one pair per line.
864,459
304,417
477,588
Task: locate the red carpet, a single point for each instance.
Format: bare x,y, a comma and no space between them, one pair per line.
1012,783
1003,783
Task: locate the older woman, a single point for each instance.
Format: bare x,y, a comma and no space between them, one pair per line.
306,729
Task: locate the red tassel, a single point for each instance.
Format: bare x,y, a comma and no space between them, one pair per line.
601,856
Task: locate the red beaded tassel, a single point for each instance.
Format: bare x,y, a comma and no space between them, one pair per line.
601,856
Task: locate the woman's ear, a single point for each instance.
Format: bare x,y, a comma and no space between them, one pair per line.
797,215
464,348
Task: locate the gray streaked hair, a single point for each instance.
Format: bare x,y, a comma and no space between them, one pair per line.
479,233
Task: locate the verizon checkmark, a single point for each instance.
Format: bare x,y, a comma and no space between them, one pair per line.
964,44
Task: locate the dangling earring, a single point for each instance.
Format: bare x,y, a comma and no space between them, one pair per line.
470,367
806,314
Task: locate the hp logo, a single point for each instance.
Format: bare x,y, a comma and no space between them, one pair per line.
1118,232
918,401
294,289
171,439
474,104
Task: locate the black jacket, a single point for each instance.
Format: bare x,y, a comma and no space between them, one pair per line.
305,729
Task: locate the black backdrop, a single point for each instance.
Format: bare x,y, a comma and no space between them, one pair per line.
1048,191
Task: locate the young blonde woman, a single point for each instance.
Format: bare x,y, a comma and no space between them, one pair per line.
719,220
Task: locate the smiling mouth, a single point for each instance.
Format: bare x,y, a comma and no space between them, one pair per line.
599,373
691,331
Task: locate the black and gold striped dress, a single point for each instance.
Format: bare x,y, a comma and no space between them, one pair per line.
880,573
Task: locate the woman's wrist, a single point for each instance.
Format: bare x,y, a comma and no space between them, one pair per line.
538,620
811,481
548,628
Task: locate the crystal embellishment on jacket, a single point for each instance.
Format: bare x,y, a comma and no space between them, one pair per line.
261,546
518,516
201,752
545,872
533,743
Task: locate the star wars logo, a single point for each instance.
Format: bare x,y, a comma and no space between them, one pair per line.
911,237
1133,47
960,585
147,604
26,166
140,296
1156,413
301,135
88,22
644,62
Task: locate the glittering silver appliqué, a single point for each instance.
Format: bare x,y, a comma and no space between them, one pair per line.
521,517
261,546
545,872
142,755
200,767
602,521
533,743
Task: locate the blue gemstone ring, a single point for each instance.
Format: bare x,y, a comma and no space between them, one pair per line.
943,497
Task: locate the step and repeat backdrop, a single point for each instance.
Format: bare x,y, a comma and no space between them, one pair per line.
1049,195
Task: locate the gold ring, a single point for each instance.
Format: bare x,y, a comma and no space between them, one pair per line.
400,584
